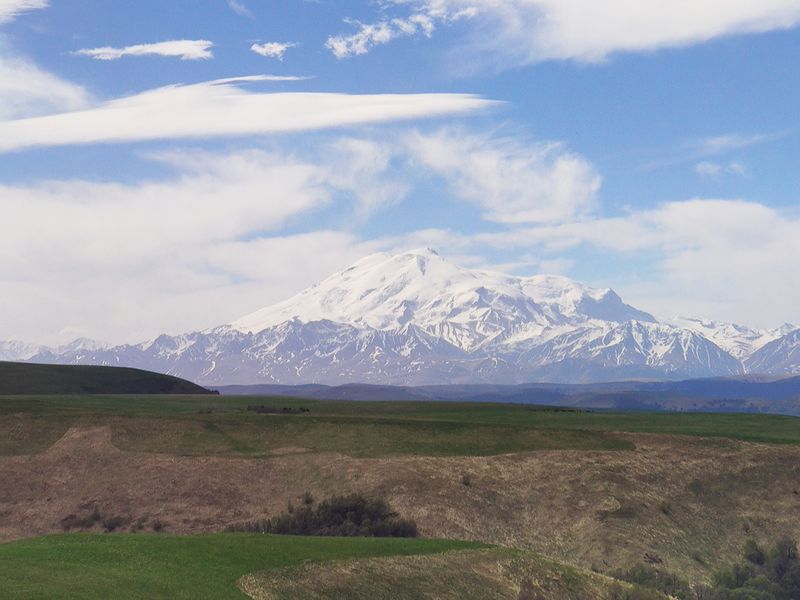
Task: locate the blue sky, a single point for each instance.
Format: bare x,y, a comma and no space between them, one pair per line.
152,180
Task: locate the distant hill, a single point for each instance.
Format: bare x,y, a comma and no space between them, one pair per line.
36,379
750,395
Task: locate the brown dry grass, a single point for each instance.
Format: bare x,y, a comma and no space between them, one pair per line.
498,574
687,502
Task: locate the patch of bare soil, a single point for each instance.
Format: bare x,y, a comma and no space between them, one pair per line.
683,503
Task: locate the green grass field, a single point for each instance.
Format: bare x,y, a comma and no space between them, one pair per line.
89,566
221,425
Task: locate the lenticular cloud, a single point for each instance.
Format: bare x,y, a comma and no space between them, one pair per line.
223,108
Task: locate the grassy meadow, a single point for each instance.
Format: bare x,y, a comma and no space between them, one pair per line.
222,425
95,566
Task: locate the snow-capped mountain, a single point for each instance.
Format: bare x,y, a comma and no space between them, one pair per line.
416,318
468,309
778,357
20,351
17,351
739,341
627,350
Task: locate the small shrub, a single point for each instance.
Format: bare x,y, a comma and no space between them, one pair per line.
655,579
665,507
74,521
138,525
158,526
466,480
753,553
274,410
113,523
352,515
308,499
344,516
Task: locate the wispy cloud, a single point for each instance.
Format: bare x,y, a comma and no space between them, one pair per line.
183,49
273,49
512,182
722,144
708,255
25,88
518,32
10,9
375,34
713,169
223,108
240,9
193,243
717,256
699,152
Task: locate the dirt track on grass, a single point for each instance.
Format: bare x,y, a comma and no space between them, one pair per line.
680,502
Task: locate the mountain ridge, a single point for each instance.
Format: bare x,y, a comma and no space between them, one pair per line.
414,318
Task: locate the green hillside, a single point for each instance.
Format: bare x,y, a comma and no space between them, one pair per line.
150,566
35,379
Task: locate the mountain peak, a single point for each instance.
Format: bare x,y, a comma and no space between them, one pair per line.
466,307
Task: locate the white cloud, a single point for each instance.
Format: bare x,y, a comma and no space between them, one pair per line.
701,151
306,259
510,181
730,260
528,31
722,144
223,108
240,9
198,248
713,169
370,35
735,259
272,49
194,250
362,169
26,90
10,9
183,49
